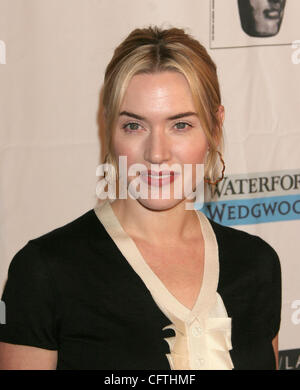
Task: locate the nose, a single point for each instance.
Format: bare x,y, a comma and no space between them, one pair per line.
158,147
276,4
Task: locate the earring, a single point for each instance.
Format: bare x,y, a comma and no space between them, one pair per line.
223,169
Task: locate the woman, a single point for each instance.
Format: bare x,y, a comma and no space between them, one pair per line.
140,282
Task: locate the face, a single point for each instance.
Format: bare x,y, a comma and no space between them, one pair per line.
261,18
158,127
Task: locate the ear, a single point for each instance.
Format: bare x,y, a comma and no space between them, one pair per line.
221,114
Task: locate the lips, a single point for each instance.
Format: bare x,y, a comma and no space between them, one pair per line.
158,174
272,13
159,178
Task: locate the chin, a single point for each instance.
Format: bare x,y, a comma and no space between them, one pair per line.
159,204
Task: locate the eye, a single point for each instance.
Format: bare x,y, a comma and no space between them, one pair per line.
132,126
182,125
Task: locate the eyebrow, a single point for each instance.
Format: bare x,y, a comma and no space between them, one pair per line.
177,116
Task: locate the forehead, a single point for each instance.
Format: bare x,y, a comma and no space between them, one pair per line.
158,91
259,3
264,3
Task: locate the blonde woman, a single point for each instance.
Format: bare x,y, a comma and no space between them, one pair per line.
144,282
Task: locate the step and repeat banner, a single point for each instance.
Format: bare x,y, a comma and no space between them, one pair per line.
53,54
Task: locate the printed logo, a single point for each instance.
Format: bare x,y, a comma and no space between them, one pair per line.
252,23
289,359
255,198
160,181
261,18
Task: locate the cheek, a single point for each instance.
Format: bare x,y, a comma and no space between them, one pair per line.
132,150
192,152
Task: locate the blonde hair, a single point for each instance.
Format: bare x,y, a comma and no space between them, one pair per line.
150,50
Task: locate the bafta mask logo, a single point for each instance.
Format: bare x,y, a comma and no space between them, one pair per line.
261,18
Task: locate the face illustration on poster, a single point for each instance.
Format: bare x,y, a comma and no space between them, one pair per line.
261,18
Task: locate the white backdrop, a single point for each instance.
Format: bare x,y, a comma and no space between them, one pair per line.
53,54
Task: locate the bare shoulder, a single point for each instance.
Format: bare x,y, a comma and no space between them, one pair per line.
24,357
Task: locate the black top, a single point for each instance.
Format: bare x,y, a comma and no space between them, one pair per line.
71,290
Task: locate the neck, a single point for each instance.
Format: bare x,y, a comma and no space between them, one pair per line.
157,226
